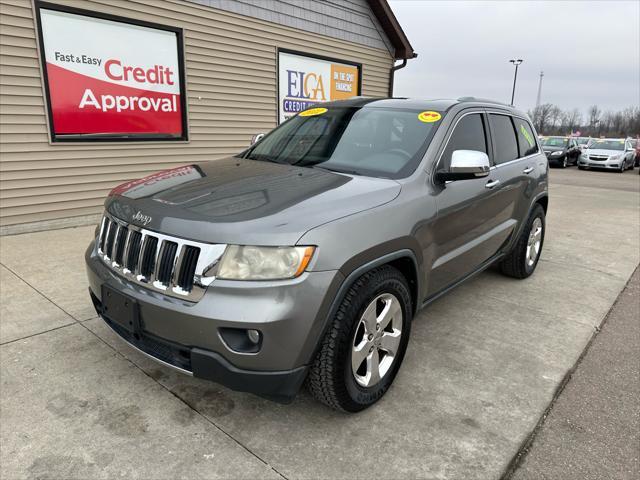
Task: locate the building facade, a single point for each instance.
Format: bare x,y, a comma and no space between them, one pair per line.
216,73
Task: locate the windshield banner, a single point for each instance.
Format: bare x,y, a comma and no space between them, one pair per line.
111,79
304,81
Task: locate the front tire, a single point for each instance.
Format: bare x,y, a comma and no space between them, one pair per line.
365,344
522,261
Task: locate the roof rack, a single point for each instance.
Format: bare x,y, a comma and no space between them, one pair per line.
483,100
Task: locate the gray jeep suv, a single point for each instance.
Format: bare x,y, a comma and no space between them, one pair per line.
305,257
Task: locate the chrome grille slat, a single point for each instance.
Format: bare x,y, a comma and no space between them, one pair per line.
171,265
119,245
125,250
104,226
108,244
133,251
148,259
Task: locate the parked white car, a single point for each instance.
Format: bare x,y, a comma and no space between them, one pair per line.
609,153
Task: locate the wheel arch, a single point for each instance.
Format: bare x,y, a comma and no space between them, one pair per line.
542,200
405,260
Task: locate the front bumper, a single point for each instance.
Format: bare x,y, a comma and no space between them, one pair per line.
607,164
557,160
290,315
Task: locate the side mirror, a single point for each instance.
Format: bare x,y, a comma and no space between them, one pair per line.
466,165
257,137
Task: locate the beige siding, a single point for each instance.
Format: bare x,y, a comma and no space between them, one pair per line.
231,94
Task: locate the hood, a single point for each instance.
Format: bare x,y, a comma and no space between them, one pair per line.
245,202
598,151
553,149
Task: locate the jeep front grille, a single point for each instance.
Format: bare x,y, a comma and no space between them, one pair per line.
164,263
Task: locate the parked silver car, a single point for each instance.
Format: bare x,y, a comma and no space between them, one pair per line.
608,153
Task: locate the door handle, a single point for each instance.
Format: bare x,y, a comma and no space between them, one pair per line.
492,183
527,170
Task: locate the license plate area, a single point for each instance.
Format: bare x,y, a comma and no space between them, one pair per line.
120,309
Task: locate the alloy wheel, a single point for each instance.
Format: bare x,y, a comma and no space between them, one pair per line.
377,340
534,242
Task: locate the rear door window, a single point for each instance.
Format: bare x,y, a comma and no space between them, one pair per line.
504,138
526,138
469,134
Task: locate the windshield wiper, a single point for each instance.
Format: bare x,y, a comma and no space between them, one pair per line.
265,158
335,170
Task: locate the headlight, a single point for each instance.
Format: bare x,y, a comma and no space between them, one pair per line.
263,263
615,157
556,153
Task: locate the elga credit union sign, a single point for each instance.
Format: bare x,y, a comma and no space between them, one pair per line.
109,79
306,80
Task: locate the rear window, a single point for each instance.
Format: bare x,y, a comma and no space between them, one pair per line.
504,139
526,139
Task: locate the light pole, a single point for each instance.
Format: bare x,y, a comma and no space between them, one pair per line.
516,63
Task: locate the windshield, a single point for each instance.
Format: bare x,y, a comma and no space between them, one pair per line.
607,145
583,140
555,142
379,142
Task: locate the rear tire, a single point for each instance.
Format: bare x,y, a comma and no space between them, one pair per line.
331,378
519,262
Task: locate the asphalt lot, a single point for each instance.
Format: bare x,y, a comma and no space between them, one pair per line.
483,365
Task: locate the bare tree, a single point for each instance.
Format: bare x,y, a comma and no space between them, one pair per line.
594,117
541,117
571,120
551,120
555,115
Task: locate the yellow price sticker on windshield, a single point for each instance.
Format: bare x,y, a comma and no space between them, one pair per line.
313,112
429,116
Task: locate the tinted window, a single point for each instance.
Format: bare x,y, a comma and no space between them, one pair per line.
504,139
382,142
526,139
468,135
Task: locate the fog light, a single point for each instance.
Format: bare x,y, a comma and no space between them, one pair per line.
254,336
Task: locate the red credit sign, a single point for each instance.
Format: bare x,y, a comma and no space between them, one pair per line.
111,79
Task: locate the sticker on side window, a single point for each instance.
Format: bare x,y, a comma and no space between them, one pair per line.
429,116
526,135
313,112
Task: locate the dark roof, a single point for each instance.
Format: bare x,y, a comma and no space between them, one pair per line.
392,29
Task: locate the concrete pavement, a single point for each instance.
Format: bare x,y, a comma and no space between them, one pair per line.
593,429
482,366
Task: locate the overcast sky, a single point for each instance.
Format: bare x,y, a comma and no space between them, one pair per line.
589,51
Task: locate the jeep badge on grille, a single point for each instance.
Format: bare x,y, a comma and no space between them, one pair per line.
141,218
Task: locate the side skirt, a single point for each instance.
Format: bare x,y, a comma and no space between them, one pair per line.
487,263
